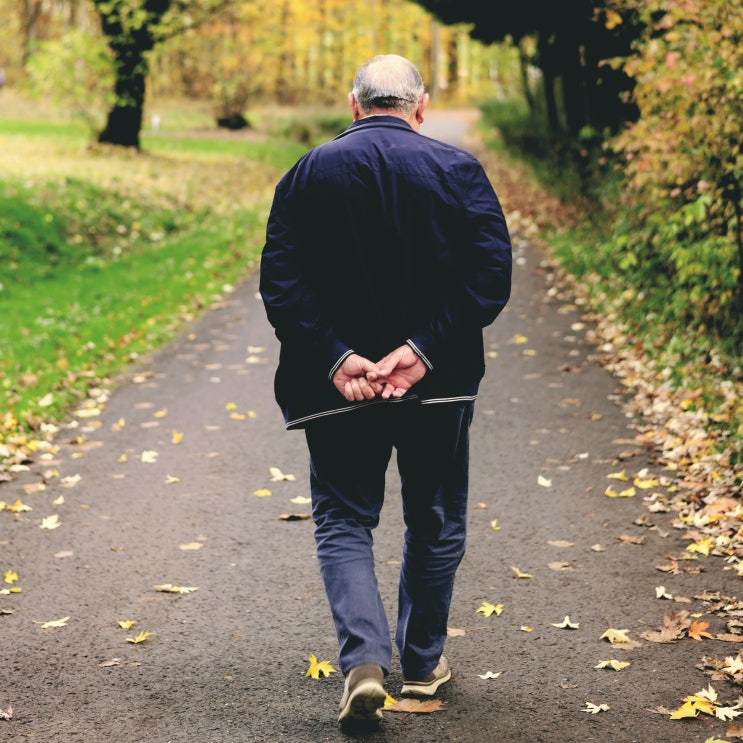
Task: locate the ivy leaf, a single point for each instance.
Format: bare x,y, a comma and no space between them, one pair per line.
316,668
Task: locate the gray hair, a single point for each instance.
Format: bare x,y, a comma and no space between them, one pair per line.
390,82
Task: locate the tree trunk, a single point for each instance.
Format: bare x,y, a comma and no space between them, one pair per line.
125,118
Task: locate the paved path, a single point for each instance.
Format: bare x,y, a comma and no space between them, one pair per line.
226,663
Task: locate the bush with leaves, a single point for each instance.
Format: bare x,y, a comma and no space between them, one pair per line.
680,225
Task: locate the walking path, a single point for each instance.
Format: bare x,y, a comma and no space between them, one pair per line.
168,481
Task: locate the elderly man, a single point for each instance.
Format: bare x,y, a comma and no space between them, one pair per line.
386,254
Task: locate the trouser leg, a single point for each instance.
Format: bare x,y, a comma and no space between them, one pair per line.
348,459
433,460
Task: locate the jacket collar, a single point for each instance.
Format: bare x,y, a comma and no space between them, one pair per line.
377,121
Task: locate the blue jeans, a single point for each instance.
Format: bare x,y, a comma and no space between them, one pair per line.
349,455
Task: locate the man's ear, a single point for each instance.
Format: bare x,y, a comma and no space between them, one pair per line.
355,110
422,103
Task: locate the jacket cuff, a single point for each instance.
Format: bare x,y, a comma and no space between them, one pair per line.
338,363
422,356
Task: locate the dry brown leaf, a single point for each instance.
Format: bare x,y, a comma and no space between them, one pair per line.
728,637
629,539
416,706
560,565
455,632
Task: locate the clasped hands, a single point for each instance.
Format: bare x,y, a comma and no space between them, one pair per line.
358,379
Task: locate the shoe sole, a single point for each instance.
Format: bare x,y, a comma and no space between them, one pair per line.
364,703
425,690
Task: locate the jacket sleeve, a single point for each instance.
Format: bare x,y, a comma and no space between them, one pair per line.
291,305
486,263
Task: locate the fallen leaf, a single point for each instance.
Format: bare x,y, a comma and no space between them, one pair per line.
301,500
160,413
6,714
10,577
277,475
149,456
126,623
171,479
627,493
455,632
141,637
660,593
191,545
618,476
697,630
630,539
53,623
17,507
519,574
490,675
316,668
526,628
566,624
544,482
616,665
560,565
615,636
598,548
176,437
388,702
494,525
109,663
561,543
170,588
489,609
294,516
262,492
417,706
50,522
59,501
34,487
594,709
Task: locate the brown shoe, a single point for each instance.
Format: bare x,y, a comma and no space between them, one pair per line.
363,694
427,686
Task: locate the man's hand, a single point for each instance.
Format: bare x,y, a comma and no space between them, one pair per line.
351,378
397,372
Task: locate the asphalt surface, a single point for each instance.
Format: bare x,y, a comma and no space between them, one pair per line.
227,661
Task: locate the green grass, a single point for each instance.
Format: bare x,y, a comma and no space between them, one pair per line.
105,253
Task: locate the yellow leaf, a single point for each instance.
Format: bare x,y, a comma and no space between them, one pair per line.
149,457
177,437
53,623
617,665
566,624
389,702
191,545
171,479
262,492
316,668
703,546
660,593
687,709
526,628
489,675
11,576
615,636
170,588
519,574
613,19
237,416
126,623
488,609
230,406
50,522
301,500
544,482
518,338
141,637
58,501
160,413
119,425
18,507
494,525
277,475
618,476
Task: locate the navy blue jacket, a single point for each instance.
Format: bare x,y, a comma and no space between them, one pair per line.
380,237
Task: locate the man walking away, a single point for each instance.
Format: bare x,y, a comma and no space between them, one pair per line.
386,254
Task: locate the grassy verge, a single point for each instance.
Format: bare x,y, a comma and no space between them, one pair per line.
104,254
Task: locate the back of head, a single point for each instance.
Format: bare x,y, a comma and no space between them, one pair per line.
388,82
